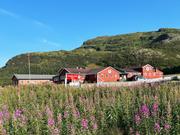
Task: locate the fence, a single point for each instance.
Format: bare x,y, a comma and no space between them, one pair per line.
132,83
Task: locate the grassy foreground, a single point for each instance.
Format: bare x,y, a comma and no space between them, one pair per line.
55,110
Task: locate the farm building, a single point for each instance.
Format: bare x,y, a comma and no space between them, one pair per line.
25,79
105,74
131,73
147,72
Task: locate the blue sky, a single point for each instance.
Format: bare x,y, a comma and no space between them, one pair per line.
47,25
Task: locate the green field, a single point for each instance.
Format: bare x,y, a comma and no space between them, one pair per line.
45,110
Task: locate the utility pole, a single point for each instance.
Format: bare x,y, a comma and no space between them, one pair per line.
29,66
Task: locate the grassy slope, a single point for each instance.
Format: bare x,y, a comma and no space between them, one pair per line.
160,48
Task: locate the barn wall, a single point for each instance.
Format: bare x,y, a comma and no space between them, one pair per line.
75,77
26,82
131,74
149,72
108,75
91,78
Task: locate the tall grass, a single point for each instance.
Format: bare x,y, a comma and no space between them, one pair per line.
44,110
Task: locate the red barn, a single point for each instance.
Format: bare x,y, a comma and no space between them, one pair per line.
150,72
106,74
147,72
71,74
30,79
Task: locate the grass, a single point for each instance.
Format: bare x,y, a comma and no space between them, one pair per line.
44,110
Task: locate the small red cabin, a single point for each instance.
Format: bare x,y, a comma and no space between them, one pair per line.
71,74
147,72
108,74
150,72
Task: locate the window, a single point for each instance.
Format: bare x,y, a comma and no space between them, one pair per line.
147,68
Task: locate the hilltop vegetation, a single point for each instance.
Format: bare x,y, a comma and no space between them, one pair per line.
160,48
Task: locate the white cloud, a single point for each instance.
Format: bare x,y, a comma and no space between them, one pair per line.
17,16
8,13
41,24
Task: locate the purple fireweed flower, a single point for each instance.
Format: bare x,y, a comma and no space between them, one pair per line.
71,129
51,122
155,107
65,114
157,127
137,133
92,118
167,127
23,119
59,118
95,126
1,115
77,114
145,110
131,130
49,112
6,114
155,97
1,118
137,119
84,123
17,113
55,131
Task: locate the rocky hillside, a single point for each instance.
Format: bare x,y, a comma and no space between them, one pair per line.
160,48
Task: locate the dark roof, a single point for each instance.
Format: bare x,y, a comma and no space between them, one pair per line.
133,69
122,71
138,69
33,77
95,71
78,70
85,71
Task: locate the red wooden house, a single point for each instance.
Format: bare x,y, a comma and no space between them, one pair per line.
31,79
106,74
147,72
71,74
150,72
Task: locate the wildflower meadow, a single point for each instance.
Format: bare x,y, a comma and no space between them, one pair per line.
58,110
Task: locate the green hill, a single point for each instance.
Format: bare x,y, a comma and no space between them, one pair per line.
160,48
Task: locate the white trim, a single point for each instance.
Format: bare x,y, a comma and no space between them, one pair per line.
108,67
147,65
